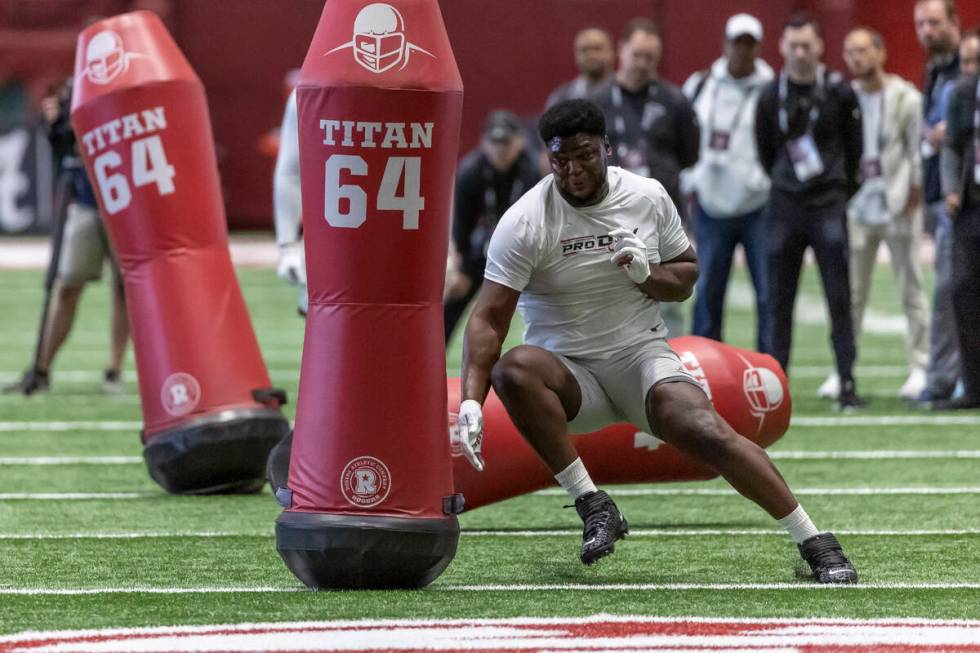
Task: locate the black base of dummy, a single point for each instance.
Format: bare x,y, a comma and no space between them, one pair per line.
364,552
221,454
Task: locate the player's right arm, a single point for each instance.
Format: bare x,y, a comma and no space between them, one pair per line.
486,331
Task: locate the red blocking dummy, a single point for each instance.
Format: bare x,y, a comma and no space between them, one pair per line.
370,498
210,417
749,390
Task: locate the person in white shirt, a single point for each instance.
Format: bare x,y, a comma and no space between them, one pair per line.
888,205
587,255
728,182
287,204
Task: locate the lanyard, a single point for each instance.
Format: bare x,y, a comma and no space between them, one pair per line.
814,110
749,90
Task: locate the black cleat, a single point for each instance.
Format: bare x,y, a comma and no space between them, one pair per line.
34,381
848,401
604,524
827,560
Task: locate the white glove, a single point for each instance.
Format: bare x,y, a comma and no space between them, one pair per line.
470,425
630,253
292,263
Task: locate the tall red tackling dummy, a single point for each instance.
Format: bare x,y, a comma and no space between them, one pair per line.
139,111
370,499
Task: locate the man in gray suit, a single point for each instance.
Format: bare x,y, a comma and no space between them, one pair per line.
888,206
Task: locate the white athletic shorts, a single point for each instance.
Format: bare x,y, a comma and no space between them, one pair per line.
85,246
615,389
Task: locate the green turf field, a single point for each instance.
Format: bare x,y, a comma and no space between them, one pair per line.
906,512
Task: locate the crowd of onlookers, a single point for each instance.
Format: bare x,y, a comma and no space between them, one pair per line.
779,162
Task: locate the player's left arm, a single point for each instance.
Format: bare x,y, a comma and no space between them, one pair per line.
673,280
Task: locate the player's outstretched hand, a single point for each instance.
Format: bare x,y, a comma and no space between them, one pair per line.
292,263
630,253
470,425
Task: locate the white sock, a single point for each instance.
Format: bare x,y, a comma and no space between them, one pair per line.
798,525
575,479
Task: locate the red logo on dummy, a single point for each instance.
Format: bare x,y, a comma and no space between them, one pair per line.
365,482
379,42
180,393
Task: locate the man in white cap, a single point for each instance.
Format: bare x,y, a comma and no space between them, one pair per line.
730,185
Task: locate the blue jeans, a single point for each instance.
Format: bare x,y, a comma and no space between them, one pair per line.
716,240
944,346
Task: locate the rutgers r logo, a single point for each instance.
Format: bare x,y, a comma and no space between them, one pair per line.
379,42
571,246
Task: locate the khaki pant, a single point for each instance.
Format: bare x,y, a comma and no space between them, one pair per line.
901,235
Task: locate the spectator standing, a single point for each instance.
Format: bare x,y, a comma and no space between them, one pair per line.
84,251
961,185
488,181
728,182
937,27
808,133
888,205
652,127
594,58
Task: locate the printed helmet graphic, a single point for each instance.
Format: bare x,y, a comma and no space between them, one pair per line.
379,37
105,58
762,389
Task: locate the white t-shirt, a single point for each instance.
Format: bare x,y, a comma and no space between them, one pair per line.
868,206
574,300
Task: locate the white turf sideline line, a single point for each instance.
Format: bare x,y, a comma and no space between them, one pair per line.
652,533
72,460
551,492
818,492
909,454
579,587
852,420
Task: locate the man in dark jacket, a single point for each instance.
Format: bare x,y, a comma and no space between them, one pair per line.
808,132
488,181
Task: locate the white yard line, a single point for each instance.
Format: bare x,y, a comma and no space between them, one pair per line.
911,454
624,492
811,421
70,460
886,420
80,425
813,492
576,587
75,496
476,533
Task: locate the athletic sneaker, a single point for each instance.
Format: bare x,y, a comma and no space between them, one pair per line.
34,381
847,400
604,524
827,560
830,388
112,382
914,385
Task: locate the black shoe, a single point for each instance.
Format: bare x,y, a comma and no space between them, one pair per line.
827,560
111,382
604,524
847,400
34,381
965,402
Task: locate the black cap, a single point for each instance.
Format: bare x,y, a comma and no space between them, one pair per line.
501,125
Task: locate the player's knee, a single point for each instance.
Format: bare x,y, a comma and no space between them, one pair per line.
69,292
514,372
698,430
